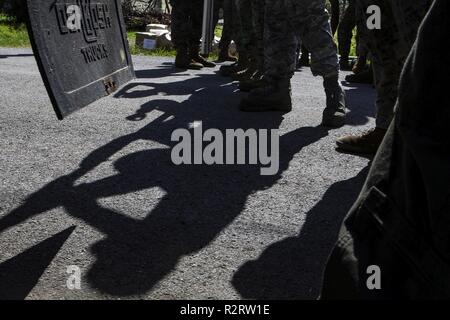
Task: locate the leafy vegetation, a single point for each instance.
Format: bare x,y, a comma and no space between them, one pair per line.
12,35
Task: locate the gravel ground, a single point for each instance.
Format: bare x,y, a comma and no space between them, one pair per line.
99,191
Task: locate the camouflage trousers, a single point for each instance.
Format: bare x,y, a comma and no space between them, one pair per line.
187,20
400,221
308,20
345,32
251,15
228,17
258,15
389,47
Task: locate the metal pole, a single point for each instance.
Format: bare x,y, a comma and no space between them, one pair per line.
208,32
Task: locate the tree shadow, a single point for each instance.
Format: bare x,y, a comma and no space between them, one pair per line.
199,201
290,269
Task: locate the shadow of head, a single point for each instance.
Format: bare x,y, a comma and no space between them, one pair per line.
291,268
199,202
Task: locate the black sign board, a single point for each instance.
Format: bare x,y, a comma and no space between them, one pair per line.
81,49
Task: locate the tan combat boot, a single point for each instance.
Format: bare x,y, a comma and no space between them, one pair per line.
195,56
366,143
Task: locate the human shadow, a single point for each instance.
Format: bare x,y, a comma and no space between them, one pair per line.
159,72
290,269
20,274
199,201
359,110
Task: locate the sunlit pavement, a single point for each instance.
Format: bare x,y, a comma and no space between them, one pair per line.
98,192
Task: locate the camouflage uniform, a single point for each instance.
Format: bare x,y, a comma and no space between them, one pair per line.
227,32
251,31
244,8
236,27
285,20
400,222
345,29
258,14
389,47
187,20
335,7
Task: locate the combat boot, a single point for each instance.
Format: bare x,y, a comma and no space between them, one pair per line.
241,65
335,111
360,65
224,56
366,143
195,56
257,81
272,97
246,74
364,77
183,61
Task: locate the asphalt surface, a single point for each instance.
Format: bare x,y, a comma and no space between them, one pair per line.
99,191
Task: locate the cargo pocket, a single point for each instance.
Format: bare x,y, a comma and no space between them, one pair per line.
410,265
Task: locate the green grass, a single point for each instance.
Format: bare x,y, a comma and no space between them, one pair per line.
13,36
218,31
17,37
144,52
353,45
160,52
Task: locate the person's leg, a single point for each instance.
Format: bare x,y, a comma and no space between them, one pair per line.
335,15
387,76
411,165
304,57
181,34
259,10
246,15
238,36
256,45
345,34
388,49
312,21
218,5
362,38
227,32
180,24
381,44
362,52
409,15
196,21
280,46
256,79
